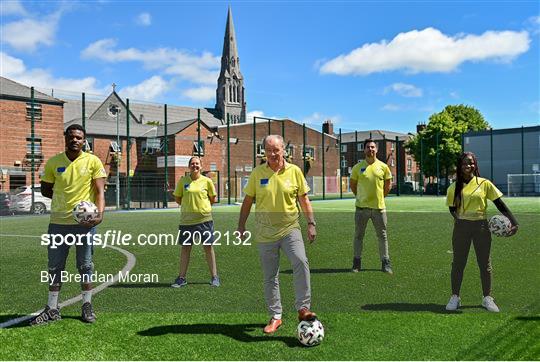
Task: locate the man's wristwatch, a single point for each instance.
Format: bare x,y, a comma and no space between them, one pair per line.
312,223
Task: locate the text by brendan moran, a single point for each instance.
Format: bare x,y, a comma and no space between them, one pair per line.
95,277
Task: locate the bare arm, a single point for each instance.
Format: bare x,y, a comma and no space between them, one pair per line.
178,200
305,204
387,186
47,189
213,199
245,209
353,184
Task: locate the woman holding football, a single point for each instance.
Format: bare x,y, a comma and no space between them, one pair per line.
196,194
467,201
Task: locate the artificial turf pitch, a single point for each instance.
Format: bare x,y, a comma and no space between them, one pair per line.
367,315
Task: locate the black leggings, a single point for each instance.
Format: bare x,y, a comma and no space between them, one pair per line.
466,231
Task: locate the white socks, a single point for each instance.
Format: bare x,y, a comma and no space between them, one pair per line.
86,296
53,300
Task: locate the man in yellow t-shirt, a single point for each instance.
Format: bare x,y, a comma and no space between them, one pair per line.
370,183
196,194
69,178
278,186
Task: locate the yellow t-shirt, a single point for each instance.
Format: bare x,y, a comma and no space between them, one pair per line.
276,208
474,198
72,183
370,183
196,207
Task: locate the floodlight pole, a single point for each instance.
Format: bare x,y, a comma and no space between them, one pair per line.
118,155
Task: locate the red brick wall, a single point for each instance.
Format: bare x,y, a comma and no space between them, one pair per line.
14,128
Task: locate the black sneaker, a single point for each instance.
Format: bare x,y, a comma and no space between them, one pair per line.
356,264
87,313
48,315
386,267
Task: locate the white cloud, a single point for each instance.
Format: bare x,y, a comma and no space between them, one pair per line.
27,34
199,69
405,90
533,24
147,90
256,113
14,68
200,94
144,19
428,50
454,94
12,7
317,118
392,107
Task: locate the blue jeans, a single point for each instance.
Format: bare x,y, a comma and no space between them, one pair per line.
57,256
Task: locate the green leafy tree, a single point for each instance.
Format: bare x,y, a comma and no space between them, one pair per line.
446,127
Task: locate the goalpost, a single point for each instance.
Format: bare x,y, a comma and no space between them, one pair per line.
526,184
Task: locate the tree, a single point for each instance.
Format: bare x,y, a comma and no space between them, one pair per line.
447,127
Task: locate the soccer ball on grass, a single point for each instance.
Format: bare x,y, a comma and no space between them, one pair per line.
310,333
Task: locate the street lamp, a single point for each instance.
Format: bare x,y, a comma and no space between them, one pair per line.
115,111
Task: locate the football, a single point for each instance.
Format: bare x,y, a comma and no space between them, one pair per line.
500,225
85,211
310,333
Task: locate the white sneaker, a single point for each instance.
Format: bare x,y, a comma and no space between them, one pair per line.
454,303
489,304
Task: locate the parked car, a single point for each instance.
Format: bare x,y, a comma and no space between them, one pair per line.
22,200
5,204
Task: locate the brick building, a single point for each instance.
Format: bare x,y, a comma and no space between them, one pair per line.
16,137
394,155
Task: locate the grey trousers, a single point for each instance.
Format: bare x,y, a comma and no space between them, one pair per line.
378,217
293,247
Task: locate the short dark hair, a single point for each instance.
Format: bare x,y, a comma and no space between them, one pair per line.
75,127
369,140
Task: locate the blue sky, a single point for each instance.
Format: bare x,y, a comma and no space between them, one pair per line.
363,64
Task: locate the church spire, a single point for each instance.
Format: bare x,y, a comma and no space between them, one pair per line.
230,88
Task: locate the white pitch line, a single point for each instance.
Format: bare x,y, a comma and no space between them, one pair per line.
129,265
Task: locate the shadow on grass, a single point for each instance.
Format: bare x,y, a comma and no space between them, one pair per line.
329,271
529,318
26,322
153,285
238,332
408,307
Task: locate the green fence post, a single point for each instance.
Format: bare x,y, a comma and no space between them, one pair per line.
437,158
340,169
355,147
228,161
32,146
166,152
421,166
269,127
199,132
283,130
491,153
323,169
128,163
83,106
522,159
218,187
235,186
304,147
397,167
254,142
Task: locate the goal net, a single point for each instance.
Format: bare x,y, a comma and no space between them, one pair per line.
523,184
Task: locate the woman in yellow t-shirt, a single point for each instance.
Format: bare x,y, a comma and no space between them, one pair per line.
196,194
467,201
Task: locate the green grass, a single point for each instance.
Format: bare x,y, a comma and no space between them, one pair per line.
367,316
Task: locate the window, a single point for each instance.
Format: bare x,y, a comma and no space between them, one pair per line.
151,146
360,147
114,147
289,151
310,152
37,111
409,164
37,145
343,163
89,144
260,149
392,146
392,162
198,148
343,148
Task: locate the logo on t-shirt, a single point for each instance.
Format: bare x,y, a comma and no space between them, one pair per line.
186,186
264,182
60,169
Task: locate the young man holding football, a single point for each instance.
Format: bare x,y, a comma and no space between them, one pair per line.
371,181
69,178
